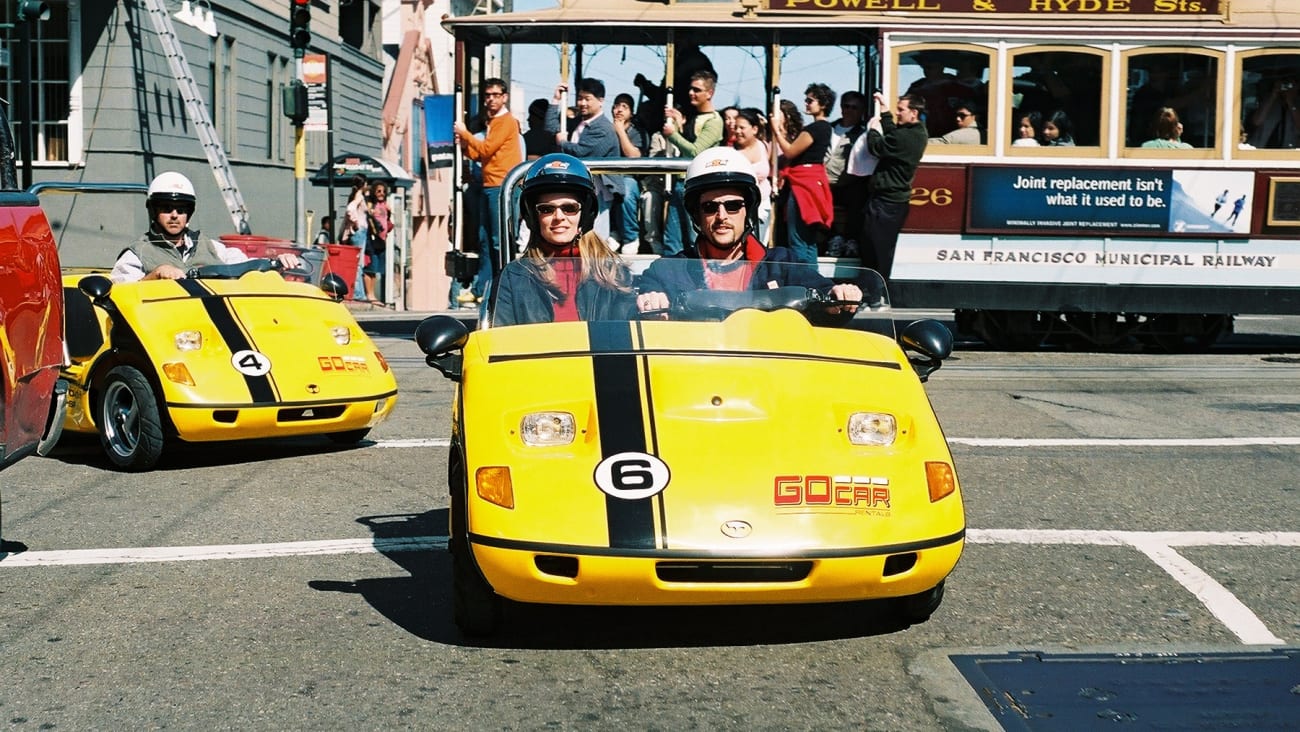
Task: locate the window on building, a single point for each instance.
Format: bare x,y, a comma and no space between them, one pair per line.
224,92
357,21
47,92
278,129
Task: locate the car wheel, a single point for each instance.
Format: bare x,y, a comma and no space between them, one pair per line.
130,428
351,437
919,607
476,609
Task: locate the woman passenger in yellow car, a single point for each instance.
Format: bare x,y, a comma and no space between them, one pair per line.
567,273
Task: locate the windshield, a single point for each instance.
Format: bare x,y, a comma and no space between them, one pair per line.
828,294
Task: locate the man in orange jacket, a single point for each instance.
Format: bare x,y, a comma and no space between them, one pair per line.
498,152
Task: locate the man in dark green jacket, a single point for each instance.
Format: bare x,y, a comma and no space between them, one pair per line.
898,146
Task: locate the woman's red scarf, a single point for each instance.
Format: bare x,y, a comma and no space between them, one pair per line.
566,263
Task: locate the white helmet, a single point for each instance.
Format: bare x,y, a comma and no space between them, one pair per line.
721,167
171,186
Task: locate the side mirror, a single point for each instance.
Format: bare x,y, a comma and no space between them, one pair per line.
96,287
931,341
438,336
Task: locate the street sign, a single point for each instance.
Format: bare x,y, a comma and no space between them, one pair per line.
315,75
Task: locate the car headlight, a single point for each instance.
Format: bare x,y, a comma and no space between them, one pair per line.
872,428
547,428
189,340
342,334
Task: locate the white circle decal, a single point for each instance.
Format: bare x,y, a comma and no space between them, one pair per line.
250,363
632,475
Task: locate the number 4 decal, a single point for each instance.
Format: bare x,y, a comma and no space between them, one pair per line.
250,363
632,475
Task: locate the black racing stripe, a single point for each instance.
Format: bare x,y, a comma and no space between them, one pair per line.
260,388
660,508
502,358
619,414
763,554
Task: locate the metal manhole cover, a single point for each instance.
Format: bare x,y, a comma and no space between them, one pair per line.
1257,690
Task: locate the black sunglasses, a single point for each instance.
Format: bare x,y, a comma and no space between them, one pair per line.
546,209
732,205
696,89
166,207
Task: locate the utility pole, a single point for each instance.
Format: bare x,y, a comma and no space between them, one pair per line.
29,12
295,108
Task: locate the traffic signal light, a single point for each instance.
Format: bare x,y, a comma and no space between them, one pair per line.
32,10
299,25
294,97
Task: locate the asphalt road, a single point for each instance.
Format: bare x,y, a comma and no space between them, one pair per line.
1116,502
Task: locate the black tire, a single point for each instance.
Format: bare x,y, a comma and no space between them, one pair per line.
130,428
351,437
476,609
919,607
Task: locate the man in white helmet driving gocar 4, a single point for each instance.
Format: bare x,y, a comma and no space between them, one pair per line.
721,197
170,247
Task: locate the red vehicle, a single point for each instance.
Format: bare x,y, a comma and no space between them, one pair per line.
31,320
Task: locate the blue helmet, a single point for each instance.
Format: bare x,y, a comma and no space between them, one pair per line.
559,173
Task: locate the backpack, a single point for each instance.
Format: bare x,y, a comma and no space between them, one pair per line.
837,156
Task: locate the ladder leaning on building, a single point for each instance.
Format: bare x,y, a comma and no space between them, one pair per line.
198,114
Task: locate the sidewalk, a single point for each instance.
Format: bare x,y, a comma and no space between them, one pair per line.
393,322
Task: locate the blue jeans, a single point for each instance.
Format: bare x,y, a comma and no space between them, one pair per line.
676,232
624,220
489,240
359,284
802,237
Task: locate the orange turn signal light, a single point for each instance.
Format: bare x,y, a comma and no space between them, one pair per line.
493,485
177,373
941,479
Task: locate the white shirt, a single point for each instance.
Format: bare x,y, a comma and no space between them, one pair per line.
129,268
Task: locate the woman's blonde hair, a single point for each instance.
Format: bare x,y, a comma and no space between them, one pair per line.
598,262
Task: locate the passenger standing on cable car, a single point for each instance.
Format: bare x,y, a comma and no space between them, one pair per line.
498,152
898,146
808,206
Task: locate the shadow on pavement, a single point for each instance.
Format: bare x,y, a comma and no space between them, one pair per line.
420,603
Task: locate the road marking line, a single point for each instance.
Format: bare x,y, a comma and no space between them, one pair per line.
1118,538
1017,442
1122,441
1158,547
433,442
1216,598
136,555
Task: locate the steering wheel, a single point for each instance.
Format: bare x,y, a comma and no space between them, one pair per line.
718,304
239,269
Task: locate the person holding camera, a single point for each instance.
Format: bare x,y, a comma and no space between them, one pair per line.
1274,123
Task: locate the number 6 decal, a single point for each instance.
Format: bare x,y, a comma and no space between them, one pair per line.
632,475
250,363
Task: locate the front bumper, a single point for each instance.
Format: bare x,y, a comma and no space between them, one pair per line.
572,575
